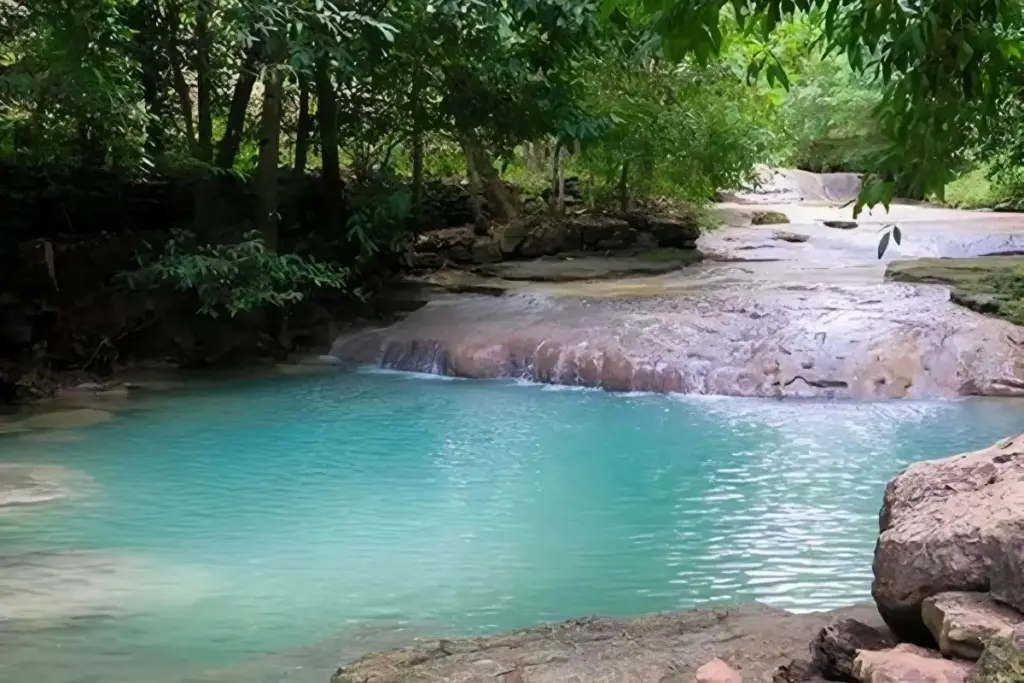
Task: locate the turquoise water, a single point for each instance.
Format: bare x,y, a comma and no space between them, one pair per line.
263,530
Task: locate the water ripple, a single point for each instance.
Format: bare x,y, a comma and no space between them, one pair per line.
317,508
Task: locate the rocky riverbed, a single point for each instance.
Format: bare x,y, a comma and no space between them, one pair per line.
802,310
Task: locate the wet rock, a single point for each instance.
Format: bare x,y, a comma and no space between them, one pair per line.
48,586
841,225
783,236
869,341
944,524
962,623
717,671
835,648
486,249
662,647
426,261
510,237
906,663
797,671
768,218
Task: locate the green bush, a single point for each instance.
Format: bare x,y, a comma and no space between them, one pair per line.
234,278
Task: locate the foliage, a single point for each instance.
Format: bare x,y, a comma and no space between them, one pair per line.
234,278
942,66
1009,288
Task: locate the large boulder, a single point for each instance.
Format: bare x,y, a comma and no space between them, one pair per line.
835,647
908,664
962,623
944,526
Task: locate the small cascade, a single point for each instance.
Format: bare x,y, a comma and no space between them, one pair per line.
419,355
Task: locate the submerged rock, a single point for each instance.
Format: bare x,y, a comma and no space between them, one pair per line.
947,525
67,419
25,484
662,647
56,586
908,664
962,623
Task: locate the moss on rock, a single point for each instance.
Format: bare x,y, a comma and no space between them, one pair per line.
993,285
1002,662
768,218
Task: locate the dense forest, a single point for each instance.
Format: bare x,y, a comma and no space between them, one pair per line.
167,165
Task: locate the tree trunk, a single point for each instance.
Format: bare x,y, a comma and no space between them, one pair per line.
227,149
304,125
327,118
178,74
204,190
476,203
270,143
417,142
503,205
624,188
557,182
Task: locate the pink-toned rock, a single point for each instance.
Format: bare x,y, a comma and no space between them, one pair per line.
908,664
945,525
717,671
963,622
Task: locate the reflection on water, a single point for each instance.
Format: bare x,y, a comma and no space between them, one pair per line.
266,529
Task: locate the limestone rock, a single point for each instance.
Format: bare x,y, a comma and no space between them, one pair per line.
1007,576
717,671
658,647
835,647
908,664
943,524
841,225
784,236
962,623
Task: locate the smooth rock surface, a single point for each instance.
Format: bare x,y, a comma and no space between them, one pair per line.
835,647
962,623
1007,575
908,664
944,525
868,342
665,648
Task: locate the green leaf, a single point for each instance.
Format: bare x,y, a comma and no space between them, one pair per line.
883,244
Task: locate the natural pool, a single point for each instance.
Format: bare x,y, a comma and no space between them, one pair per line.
264,529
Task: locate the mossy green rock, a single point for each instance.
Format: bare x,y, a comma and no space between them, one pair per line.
768,218
1002,662
993,285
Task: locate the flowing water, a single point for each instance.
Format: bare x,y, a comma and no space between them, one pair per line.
262,530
